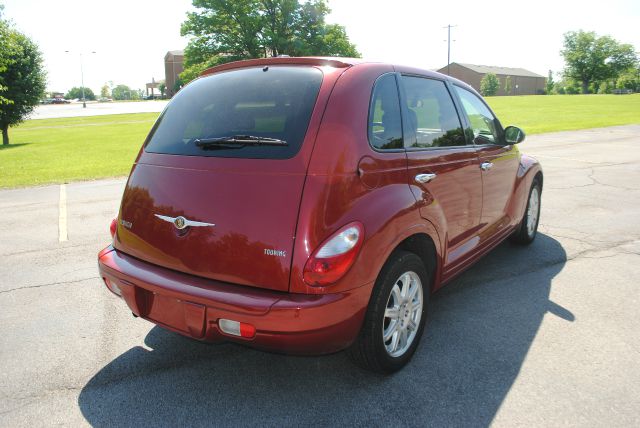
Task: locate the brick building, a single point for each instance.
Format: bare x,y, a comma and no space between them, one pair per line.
172,68
523,82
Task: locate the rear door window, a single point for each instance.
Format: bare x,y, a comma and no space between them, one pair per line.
273,102
432,119
385,123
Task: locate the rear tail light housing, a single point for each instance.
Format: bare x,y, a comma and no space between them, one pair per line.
236,328
335,256
113,226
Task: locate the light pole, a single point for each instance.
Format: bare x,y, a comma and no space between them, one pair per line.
84,101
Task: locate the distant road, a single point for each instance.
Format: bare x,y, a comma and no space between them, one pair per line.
51,111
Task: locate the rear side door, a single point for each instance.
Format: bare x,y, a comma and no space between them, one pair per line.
444,173
498,164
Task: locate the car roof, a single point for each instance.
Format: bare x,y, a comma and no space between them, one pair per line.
337,62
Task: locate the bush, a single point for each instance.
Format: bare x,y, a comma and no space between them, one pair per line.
629,80
489,85
572,90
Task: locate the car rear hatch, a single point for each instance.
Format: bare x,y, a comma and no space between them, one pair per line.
215,192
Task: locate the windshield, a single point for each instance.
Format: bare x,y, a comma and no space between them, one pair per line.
265,102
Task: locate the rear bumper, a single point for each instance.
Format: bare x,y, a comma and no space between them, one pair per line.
192,306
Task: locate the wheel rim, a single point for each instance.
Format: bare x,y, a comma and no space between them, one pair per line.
533,212
402,315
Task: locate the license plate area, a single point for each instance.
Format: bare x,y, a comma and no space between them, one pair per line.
186,317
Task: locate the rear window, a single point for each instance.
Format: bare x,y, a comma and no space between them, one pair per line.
267,102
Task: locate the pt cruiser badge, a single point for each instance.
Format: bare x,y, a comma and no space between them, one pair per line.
182,223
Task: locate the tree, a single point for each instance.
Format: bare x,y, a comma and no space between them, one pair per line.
136,94
549,83
590,59
23,78
222,31
571,87
7,51
193,71
121,92
507,85
489,85
76,93
604,87
630,79
178,85
105,91
162,87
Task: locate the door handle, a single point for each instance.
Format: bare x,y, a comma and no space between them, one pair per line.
425,178
486,166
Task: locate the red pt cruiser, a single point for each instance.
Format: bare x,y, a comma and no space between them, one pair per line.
310,205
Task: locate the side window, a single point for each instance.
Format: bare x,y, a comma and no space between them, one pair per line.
432,119
385,125
483,123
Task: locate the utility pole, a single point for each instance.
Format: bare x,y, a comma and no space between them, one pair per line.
449,27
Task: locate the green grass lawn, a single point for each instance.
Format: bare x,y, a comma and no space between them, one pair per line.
60,150
537,114
67,149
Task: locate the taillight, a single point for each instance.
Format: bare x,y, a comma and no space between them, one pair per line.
335,256
113,226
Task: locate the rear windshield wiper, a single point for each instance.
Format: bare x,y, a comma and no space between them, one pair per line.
238,140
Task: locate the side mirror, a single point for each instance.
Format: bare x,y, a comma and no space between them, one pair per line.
513,135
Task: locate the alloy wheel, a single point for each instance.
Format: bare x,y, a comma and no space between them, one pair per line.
533,212
403,313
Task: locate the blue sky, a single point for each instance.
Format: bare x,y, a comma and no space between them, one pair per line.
131,37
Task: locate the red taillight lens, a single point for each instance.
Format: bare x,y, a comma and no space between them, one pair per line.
113,227
335,256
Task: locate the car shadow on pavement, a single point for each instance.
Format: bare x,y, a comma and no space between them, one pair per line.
481,327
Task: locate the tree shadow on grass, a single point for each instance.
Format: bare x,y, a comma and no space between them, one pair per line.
12,146
480,330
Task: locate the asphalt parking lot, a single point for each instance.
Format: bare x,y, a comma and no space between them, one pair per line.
546,335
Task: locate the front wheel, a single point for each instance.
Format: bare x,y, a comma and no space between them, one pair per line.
395,317
526,233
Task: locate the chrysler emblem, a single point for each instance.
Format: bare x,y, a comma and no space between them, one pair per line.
182,223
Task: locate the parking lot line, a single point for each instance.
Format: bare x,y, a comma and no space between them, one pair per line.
62,218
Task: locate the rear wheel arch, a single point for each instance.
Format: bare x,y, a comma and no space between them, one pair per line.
540,179
422,245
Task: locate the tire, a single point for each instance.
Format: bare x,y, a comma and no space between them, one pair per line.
370,350
528,229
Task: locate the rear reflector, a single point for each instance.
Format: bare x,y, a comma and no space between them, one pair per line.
236,328
113,287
